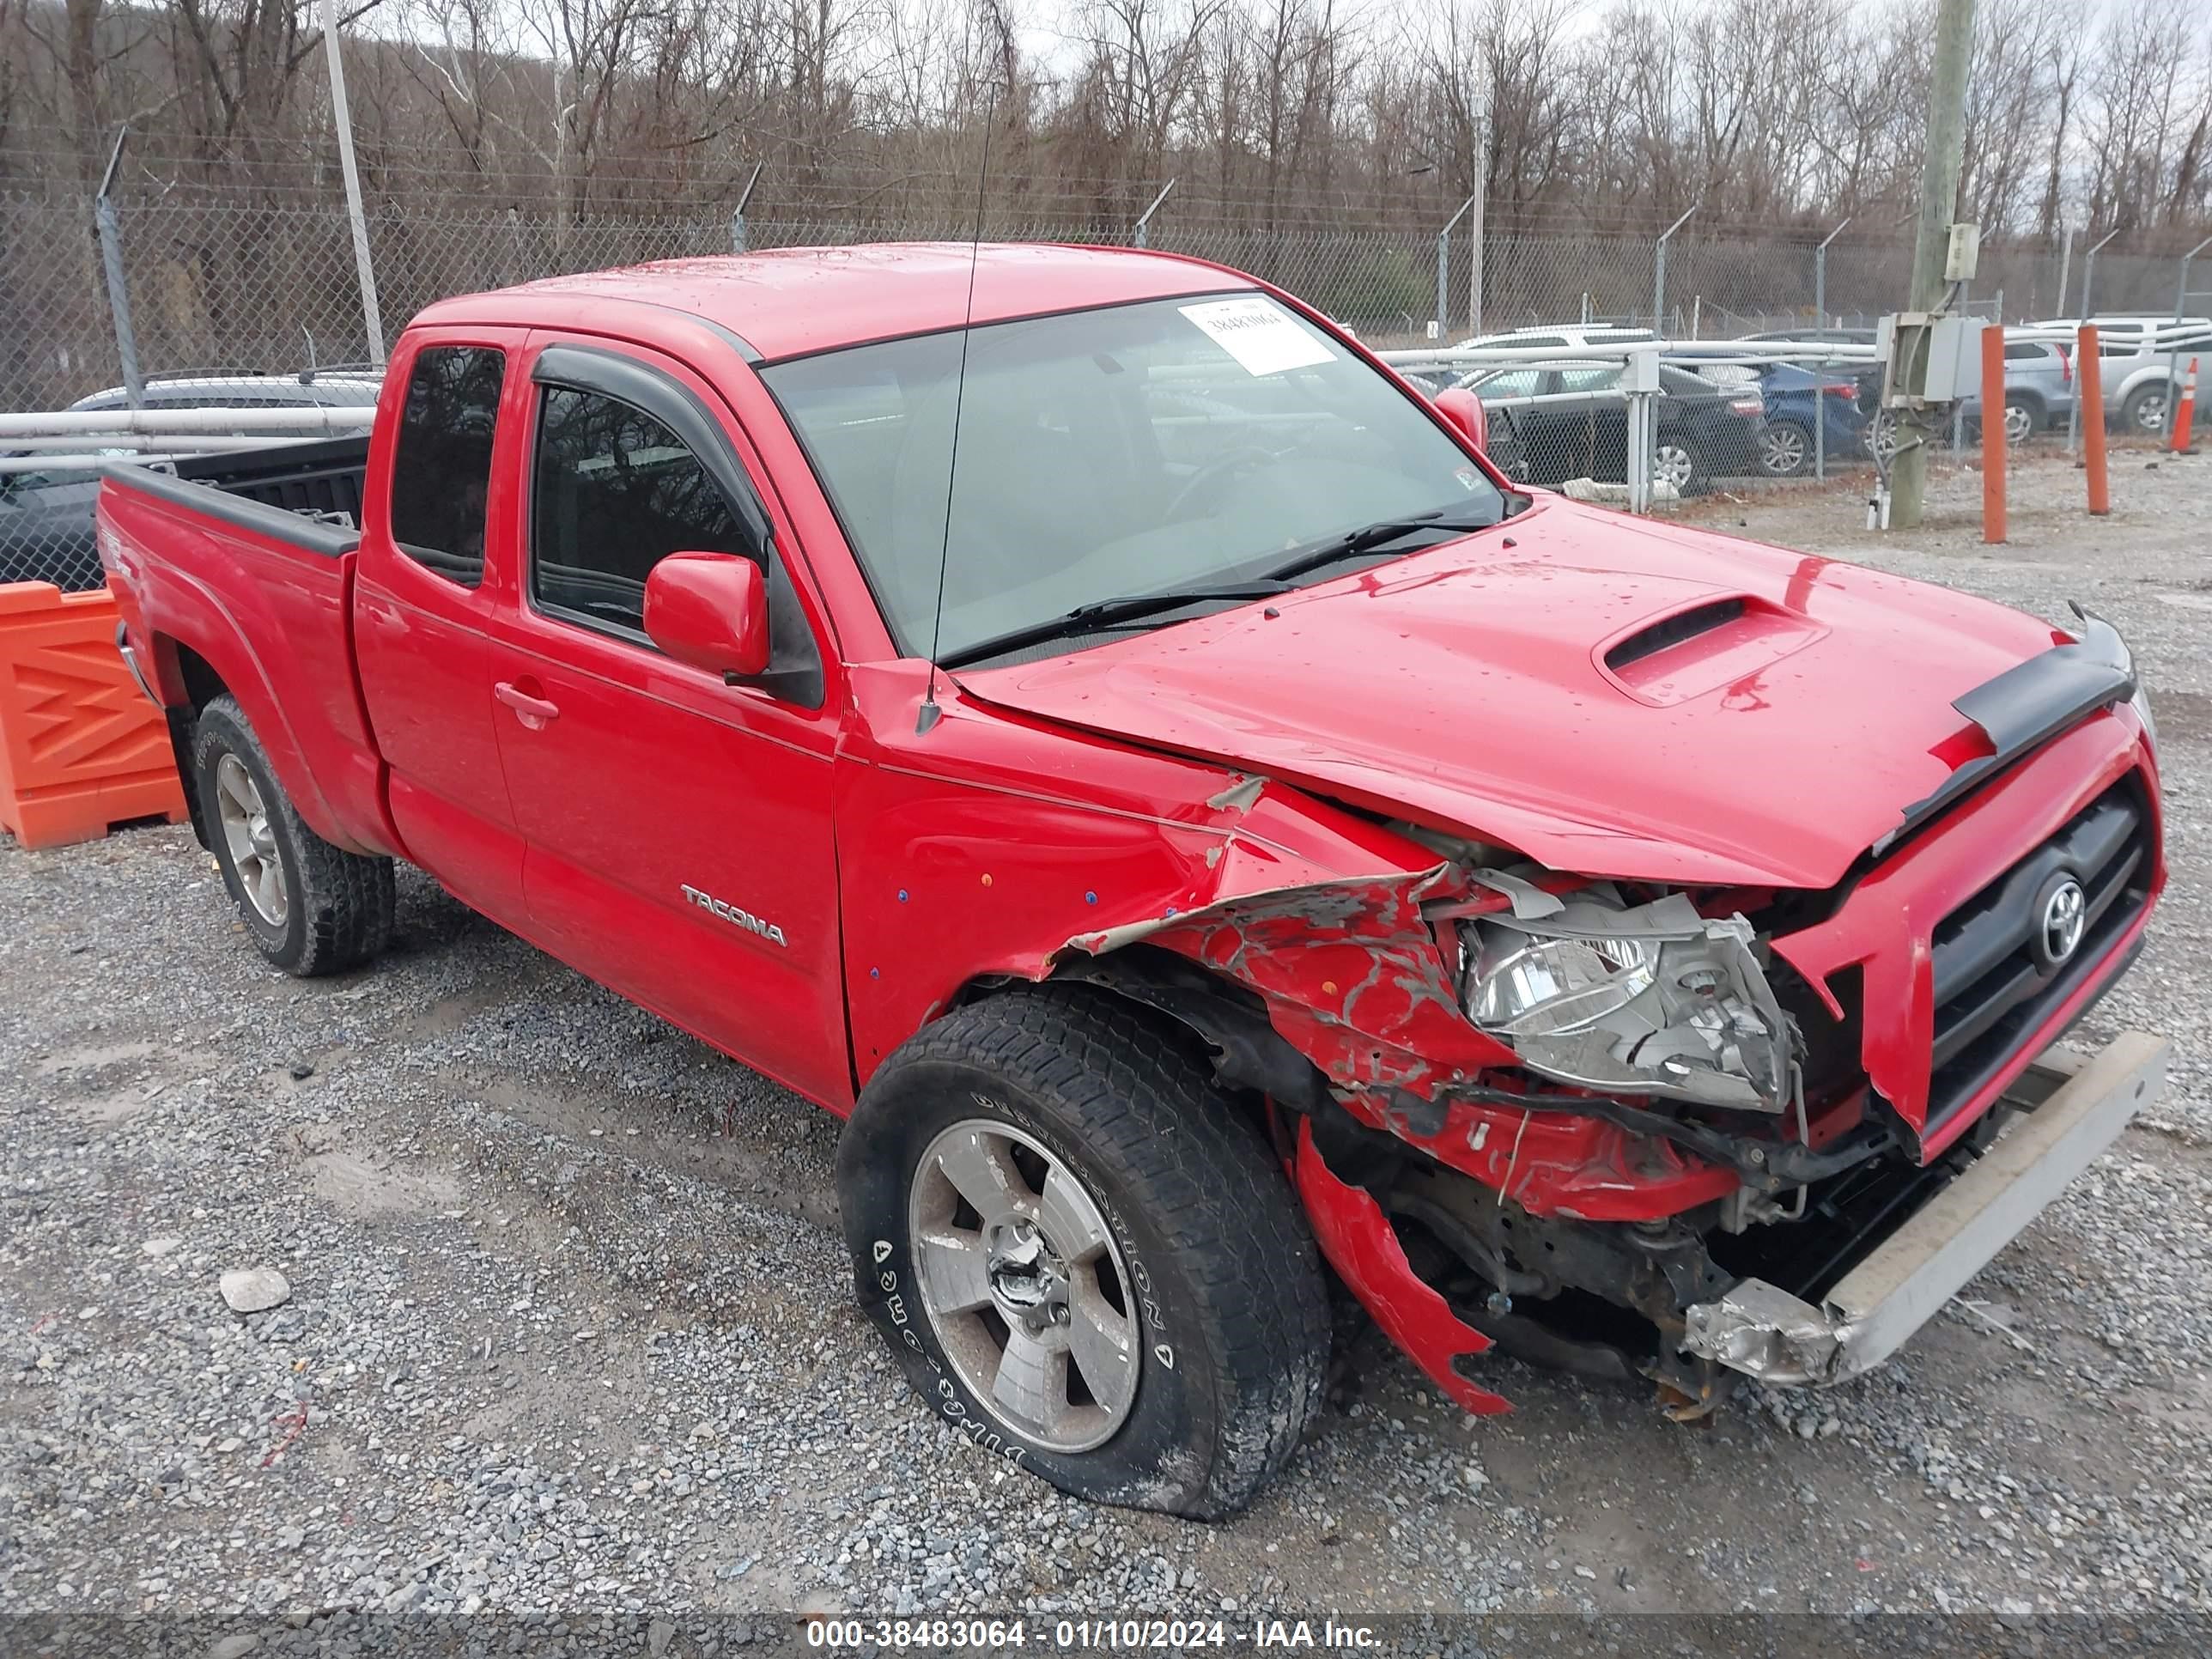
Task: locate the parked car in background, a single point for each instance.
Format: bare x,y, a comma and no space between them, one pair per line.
45,517
2134,363
1866,375
2038,389
1551,337
1553,421
1800,403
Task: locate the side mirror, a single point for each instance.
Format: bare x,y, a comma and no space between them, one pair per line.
1464,410
709,609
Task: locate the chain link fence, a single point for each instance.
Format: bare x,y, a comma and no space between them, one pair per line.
235,300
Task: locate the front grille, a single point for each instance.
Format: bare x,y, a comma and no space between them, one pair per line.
1993,984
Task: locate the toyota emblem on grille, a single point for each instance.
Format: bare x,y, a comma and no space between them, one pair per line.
2065,914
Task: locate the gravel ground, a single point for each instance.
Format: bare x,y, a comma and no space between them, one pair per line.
569,1324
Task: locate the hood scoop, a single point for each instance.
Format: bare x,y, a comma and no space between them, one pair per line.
1714,643
1652,638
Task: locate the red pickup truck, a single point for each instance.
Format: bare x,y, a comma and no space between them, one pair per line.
1079,716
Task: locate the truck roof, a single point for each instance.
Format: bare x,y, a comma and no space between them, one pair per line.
795,300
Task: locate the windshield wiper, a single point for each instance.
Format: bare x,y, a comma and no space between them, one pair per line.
1369,537
1128,607
1108,613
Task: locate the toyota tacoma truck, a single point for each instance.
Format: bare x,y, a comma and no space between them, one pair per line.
1079,716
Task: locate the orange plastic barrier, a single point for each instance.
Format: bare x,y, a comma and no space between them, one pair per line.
81,748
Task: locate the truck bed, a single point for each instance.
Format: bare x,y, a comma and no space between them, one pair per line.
250,556
322,479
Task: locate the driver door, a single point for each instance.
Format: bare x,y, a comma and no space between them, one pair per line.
677,841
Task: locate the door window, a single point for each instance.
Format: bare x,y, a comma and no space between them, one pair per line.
441,468
1592,377
1510,383
615,493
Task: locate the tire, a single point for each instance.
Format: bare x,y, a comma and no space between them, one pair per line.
2023,418
1191,1221
1785,449
310,908
1677,460
2145,408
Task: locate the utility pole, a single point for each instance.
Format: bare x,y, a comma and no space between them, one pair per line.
1939,195
372,319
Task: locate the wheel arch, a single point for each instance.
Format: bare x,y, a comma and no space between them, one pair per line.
1228,1022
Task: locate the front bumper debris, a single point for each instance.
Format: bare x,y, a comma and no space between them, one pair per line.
2071,1108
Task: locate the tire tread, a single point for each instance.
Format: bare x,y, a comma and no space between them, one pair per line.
1150,1107
348,899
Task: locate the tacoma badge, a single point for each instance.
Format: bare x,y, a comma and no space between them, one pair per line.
730,913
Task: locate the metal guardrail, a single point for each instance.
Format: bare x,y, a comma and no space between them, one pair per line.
174,422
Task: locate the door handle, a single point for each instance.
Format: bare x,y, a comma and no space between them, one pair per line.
534,712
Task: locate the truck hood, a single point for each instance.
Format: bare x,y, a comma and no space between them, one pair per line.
1608,696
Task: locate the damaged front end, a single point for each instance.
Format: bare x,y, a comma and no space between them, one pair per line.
1605,1126
1519,1103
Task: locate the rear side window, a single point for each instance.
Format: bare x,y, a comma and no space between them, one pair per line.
616,492
441,469
2026,353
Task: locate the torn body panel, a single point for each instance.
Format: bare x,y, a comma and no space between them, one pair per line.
1356,1236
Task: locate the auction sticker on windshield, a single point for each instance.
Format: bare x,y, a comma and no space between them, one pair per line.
1259,334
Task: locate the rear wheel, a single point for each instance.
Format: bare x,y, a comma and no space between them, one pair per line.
1785,449
2023,418
1084,1257
310,908
2145,410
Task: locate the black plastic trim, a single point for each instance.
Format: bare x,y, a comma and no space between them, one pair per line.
324,540
2029,703
1989,985
728,335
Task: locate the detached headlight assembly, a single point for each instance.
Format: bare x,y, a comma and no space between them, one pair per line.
1649,1000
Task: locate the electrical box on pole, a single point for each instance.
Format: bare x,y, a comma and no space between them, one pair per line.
1962,252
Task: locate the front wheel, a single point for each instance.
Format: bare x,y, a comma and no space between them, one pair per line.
1082,1255
1675,465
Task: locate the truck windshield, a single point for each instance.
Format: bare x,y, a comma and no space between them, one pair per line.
1123,450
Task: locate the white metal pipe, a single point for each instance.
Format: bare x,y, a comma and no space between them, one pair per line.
1702,351
88,461
346,417
74,443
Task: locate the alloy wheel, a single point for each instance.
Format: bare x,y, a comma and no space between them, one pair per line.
251,842
1023,1284
1783,450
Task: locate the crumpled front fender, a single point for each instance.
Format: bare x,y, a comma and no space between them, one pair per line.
1355,1235
1351,972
